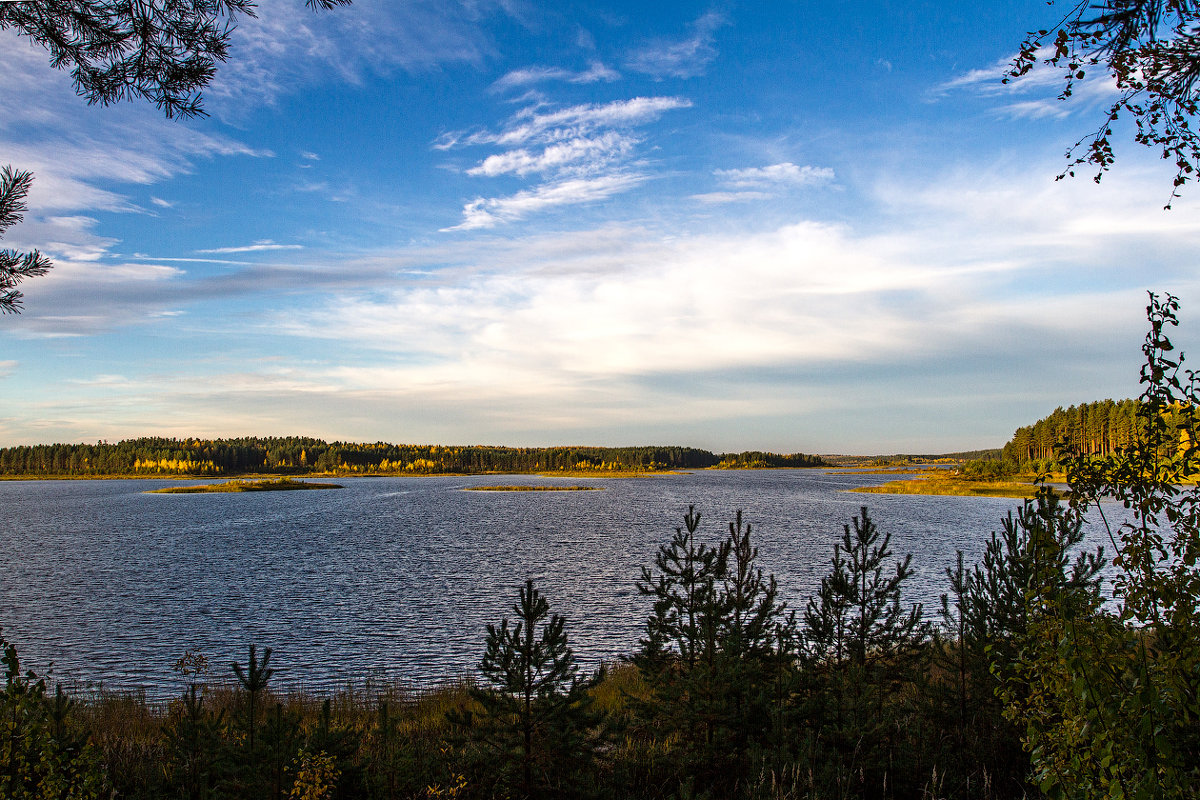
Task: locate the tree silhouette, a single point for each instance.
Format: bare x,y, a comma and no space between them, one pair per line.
15,267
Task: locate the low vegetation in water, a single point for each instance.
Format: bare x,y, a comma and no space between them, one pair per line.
955,487
280,485
528,488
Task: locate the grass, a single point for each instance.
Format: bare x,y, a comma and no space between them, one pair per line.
281,485
955,487
529,488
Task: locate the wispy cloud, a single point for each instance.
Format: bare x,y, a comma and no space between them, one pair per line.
731,197
1042,85
519,78
257,247
762,183
785,173
531,125
285,48
488,212
587,153
82,158
681,58
583,153
938,298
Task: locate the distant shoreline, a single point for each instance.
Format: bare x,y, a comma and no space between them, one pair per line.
259,476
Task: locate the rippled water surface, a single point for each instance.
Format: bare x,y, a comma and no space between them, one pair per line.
397,578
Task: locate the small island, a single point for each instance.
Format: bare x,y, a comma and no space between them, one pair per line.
532,488
280,485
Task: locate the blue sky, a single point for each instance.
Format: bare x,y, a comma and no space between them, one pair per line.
790,226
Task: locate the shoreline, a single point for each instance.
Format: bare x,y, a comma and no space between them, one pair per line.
265,476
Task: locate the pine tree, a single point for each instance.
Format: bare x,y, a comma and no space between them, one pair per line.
15,267
535,705
709,654
863,645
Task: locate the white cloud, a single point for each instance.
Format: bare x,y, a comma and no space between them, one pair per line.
587,154
80,156
583,152
684,58
8,368
488,212
530,125
998,294
763,183
257,247
731,197
288,47
518,78
1045,83
785,173
956,272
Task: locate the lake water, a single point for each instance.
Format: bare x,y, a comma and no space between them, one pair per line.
397,578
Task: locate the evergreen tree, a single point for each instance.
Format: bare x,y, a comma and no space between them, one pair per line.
709,654
864,646
253,759
15,267
987,615
535,712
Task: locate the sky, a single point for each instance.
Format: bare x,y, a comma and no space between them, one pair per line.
790,226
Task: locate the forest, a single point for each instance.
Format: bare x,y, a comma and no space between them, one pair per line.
1099,428
297,455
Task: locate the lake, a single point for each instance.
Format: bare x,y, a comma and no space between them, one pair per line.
397,578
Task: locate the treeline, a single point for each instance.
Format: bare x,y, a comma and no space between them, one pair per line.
295,455
1094,429
729,694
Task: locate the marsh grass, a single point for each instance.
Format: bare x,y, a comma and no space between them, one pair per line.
279,485
954,487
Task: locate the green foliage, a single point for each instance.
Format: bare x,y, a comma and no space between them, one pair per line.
710,656
865,646
42,754
756,459
15,267
1110,698
987,615
990,469
1099,428
534,711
